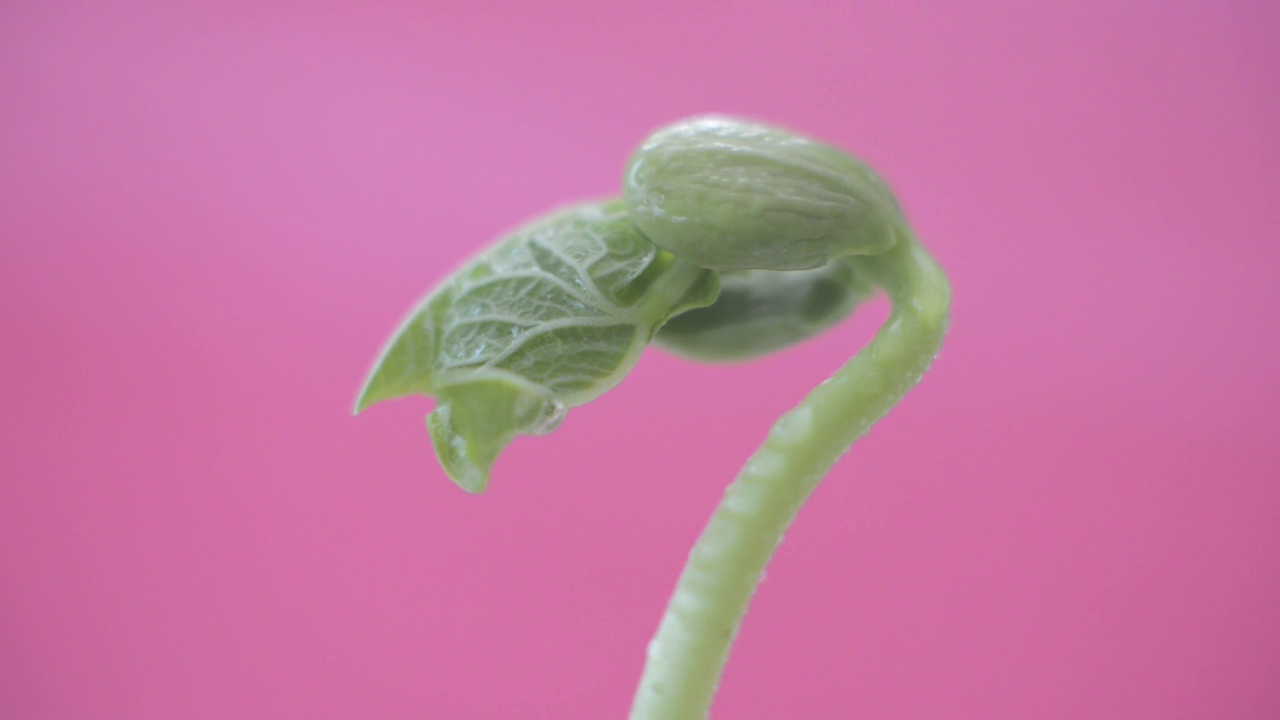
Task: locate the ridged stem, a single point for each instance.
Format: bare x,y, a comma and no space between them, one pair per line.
688,653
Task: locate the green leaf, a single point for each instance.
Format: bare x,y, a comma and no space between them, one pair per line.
549,318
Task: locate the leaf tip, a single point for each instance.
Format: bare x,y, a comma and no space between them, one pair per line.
466,463
403,367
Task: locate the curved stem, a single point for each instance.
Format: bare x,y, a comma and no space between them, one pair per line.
687,655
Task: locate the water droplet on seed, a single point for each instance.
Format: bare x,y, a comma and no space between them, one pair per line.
553,413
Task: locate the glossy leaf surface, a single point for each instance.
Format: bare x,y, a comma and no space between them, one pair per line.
549,318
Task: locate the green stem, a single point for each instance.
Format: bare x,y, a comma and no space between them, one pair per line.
687,656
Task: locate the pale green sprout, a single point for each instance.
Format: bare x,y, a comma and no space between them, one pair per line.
735,240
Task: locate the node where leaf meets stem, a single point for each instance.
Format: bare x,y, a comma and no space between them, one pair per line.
688,653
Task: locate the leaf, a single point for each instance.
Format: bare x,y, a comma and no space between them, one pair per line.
549,318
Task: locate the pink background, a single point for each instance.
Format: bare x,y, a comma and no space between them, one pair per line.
211,218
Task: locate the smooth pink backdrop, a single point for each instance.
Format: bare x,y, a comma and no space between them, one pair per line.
212,217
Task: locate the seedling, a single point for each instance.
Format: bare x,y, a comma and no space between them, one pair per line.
731,240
